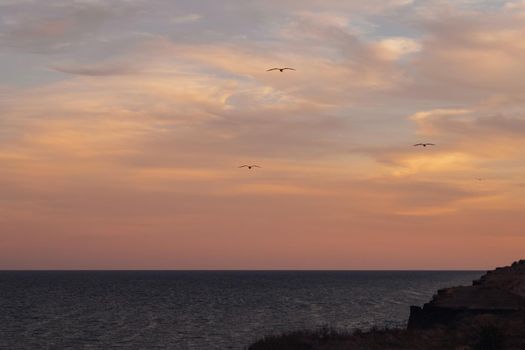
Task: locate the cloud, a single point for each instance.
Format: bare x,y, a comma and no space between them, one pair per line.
397,47
424,119
473,53
95,69
194,17
54,26
136,147
474,125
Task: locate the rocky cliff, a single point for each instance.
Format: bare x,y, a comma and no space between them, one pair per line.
489,315
500,292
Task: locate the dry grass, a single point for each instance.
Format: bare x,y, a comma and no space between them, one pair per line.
482,333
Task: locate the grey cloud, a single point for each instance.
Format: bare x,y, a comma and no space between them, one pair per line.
476,124
96,69
266,134
425,193
470,53
55,26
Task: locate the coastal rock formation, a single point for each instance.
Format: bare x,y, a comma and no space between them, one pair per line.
500,292
489,315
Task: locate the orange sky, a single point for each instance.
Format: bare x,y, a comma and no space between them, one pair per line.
122,125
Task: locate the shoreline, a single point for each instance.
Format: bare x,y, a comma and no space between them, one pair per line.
487,315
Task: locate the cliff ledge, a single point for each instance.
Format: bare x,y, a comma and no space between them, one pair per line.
500,292
488,315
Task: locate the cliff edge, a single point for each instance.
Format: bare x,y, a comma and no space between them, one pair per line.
500,292
488,315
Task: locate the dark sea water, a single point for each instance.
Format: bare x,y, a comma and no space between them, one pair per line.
200,310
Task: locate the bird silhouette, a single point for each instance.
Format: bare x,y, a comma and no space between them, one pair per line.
249,166
424,144
280,69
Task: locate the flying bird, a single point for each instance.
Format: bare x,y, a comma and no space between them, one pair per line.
249,166
424,144
280,69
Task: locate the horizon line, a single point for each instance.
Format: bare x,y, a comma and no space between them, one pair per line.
245,270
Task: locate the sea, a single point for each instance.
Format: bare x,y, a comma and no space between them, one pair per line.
202,309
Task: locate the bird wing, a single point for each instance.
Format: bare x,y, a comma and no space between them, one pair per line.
269,70
288,68
243,166
418,144
430,144
256,166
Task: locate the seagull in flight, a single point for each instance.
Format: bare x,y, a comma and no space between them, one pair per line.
424,144
280,69
249,166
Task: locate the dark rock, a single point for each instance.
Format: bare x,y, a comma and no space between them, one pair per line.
488,315
499,292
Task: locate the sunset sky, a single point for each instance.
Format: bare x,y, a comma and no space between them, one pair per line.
123,123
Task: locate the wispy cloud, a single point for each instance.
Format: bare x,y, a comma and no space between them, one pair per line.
96,69
194,17
134,118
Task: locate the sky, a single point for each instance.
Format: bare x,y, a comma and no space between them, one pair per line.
123,123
